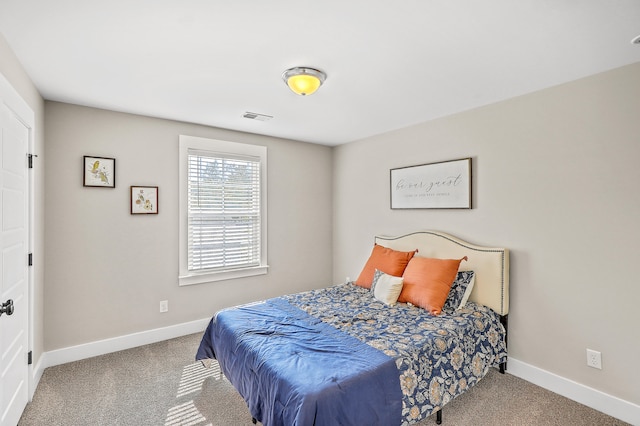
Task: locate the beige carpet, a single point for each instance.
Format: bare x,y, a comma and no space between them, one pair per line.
160,384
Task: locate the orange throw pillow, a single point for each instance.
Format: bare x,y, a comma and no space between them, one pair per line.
384,259
427,282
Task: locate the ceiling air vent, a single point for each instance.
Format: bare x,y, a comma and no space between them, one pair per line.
256,116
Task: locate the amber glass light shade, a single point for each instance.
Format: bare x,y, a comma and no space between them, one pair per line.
303,81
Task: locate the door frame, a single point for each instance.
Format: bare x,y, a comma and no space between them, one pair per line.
23,112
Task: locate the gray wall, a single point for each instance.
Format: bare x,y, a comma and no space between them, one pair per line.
12,70
556,181
108,270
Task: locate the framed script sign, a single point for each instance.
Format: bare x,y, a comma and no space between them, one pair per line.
444,185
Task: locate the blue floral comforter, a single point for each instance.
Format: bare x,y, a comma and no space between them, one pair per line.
438,358
416,361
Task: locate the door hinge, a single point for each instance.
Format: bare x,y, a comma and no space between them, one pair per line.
30,358
30,259
30,157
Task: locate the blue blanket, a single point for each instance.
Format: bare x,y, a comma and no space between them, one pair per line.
293,369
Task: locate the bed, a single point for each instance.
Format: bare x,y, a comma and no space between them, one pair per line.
338,355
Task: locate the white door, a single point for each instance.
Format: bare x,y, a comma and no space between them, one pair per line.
14,246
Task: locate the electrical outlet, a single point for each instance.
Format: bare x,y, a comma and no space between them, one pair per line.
594,359
348,279
164,306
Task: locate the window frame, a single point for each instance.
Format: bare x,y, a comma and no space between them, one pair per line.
215,146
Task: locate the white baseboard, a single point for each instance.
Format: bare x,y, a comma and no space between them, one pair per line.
608,404
36,372
102,347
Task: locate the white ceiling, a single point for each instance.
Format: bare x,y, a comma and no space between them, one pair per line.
389,64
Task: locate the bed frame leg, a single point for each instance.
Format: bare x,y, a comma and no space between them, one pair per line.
253,420
439,417
504,320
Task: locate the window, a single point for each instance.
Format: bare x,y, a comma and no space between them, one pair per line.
222,210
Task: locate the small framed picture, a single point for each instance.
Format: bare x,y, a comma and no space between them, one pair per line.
99,172
144,200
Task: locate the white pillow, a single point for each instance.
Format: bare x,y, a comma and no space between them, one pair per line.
467,292
386,288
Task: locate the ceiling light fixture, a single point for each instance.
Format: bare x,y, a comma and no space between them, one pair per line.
303,80
635,40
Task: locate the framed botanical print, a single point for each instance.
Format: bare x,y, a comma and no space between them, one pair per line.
99,172
144,200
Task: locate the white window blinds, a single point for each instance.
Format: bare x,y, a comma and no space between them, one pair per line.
223,215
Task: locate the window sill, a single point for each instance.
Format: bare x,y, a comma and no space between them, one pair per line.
221,275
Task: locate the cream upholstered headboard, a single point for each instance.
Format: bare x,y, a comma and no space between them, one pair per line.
491,265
